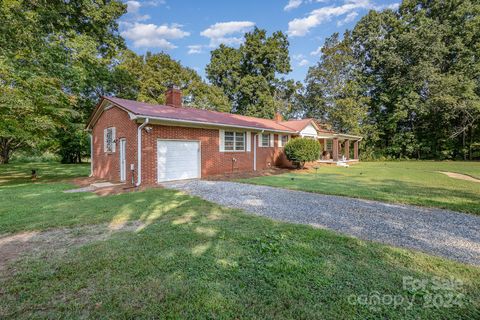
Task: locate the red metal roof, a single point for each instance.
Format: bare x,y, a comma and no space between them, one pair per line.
206,116
296,125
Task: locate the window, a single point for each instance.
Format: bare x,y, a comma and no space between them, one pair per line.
234,141
265,142
284,140
109,140
329,145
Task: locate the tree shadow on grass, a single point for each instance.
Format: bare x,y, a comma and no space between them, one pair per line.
193,259
11,174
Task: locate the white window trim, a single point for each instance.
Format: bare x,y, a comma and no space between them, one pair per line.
105,149
280,142
246,144
270,142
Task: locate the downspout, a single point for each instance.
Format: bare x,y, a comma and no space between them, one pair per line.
255,152
91,154
139,151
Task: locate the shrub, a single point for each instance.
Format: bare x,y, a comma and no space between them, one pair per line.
301,150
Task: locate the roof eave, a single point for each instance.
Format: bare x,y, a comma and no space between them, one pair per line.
348,136
213,124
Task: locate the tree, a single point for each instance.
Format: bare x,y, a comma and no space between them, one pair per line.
54,57
288,98
333,94
249,75
154,73
30,108
420,68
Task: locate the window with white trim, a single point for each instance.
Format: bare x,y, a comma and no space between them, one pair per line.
265,140
109,140
234,141
329,145
285,139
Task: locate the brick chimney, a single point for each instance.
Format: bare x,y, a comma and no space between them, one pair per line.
278,117
174,97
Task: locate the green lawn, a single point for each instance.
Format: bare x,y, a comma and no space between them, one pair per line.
194,259
409,182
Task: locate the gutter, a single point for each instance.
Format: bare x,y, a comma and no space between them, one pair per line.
139,151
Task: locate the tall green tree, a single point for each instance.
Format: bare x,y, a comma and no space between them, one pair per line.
154,73
333,94
249,75
420,67
55,56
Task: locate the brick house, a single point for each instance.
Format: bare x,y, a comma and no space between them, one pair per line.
139,143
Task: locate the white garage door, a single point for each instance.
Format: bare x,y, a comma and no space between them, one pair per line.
178,160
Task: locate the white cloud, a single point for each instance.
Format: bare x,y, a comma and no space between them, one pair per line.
153,36
392,6
292,4
317,51
298,56
194,49
155,3
301,26
142,17
222,32
133,6
303,62
349,18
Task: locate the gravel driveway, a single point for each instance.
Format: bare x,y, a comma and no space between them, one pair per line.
445,233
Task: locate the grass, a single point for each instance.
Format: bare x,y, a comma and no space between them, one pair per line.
194,259
408,182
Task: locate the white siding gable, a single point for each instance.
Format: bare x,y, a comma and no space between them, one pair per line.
309,131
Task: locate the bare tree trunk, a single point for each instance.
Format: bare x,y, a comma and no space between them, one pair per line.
4,150
470,144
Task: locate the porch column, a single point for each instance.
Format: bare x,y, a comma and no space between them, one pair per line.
324,144
347,149
355,150
335,149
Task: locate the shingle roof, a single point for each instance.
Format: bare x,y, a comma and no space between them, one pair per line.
299,125
296,125
207,116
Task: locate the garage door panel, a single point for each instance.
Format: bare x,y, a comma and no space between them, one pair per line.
177,160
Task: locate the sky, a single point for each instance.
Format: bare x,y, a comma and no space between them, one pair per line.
188,30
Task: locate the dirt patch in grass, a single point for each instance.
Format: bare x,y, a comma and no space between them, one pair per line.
54,242
110,190
460,176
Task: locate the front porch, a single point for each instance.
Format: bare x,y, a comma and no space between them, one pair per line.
339,148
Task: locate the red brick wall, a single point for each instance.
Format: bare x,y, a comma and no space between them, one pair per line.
106,166
213,161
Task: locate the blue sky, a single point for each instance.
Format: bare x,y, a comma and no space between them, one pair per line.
188,30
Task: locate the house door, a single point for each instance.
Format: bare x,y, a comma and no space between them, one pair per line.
123,161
